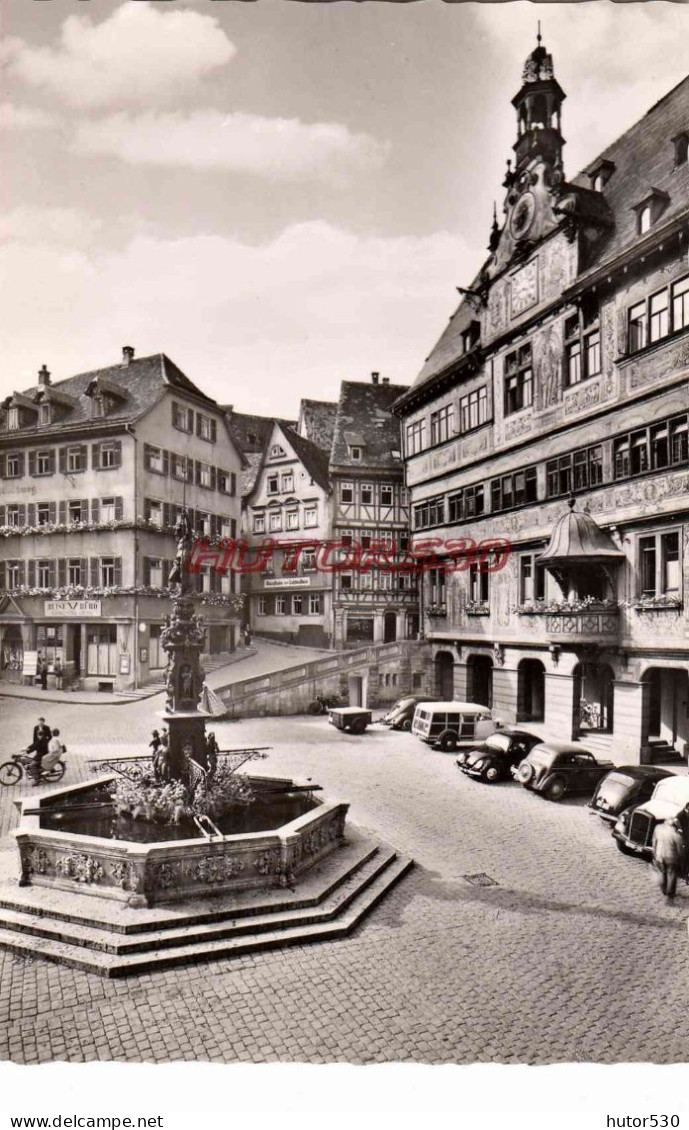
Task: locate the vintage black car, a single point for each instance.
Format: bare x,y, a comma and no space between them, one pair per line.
557,769
625,786
401,713
493,759
634,830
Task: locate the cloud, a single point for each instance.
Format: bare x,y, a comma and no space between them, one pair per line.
67,227
22,118
257,326
138,55
245,143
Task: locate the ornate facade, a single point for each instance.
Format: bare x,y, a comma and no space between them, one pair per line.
552,415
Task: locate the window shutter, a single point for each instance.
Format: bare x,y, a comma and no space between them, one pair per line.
62,512
51,461
214,478
147,509
84,515
2,575
214,430
3,517
233,527
51,575
192,517
214,525
84,579
31,574
233,484
118,453
2,466
52,513
197,473
95,456
147,456
22,464
166,462
95,572
62,459
32,463
147,571
22,514
61,572
118,571
198,423
119,509
31,515
95,510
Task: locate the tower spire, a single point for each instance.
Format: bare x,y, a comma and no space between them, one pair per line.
539,37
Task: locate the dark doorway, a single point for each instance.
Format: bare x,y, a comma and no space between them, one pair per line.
531,691
444,676
390,627
592,708
480,684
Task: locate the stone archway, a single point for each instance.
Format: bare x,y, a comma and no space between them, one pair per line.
592,701
444,676
665,723
11,654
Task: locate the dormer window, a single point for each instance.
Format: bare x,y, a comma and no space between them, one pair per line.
681,144
98,406
277,452
355,454
650,209
44,413
600,174
645,219
13,419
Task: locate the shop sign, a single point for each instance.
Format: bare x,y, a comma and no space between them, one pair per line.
288,583
66,608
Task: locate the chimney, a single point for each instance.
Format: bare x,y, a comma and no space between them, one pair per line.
43,377
386,380
375,377
127,354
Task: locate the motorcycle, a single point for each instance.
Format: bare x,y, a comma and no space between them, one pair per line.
322,703
52,767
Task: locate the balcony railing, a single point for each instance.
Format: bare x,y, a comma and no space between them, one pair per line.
592,624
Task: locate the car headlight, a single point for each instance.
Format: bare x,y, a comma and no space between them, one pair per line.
480,763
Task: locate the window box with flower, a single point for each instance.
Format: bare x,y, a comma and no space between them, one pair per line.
477,608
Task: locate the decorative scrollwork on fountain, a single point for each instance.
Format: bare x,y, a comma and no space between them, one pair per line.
80,868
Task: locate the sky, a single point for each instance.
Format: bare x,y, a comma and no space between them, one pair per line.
278,195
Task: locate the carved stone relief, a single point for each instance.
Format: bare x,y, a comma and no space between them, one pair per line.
548,365
582,398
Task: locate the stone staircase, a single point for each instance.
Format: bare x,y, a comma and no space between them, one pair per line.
209,663
662,753
599,744
114,940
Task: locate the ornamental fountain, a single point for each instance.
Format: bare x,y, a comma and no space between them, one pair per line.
176,889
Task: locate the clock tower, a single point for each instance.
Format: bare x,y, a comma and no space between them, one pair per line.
533,185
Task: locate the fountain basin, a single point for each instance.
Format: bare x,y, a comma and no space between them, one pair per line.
171,870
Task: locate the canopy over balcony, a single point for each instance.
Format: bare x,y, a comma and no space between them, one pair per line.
578,540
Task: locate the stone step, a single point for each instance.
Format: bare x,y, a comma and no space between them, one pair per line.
97,938
77,909
186,952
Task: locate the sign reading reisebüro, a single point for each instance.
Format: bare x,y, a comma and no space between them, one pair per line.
89,608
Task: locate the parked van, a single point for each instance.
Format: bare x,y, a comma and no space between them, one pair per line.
445,725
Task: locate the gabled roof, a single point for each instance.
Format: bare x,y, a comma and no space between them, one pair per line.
364,410
317,421
313,458
644,160
252,432
144,380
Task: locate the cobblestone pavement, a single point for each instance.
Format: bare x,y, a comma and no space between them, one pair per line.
571,955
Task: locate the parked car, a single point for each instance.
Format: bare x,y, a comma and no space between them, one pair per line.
625,786
401,714
557,769
493,759
634,830
445,725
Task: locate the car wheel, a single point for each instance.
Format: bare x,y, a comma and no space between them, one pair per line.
525,772
492,773
358,727
406,725
556,789
623,848
447,741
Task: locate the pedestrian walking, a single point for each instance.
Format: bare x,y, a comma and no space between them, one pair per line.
57,671
247,636
44,675
669,854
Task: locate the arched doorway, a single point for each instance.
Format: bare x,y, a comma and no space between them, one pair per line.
12,654
592,708
665,720
531,691
480,679
390,627
444,676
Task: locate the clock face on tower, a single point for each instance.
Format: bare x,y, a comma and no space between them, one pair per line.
523,215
